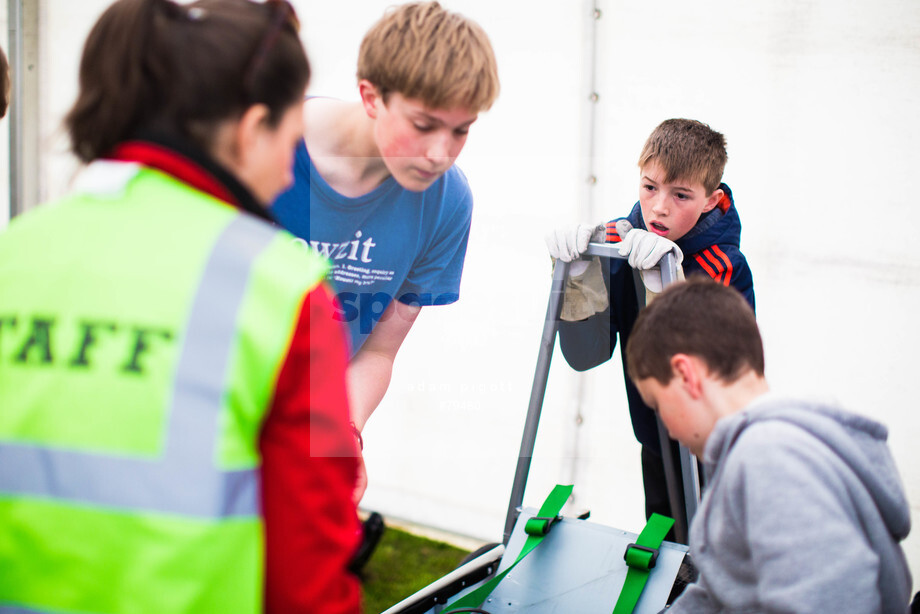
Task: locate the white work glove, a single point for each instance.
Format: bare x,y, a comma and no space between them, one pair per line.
585,291
644,250
568,243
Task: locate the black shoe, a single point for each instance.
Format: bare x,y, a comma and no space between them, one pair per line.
371,533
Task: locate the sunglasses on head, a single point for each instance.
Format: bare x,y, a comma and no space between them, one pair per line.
283,15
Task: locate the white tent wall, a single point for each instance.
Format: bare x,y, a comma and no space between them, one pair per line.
818,100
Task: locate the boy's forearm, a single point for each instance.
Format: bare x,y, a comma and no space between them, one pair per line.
371,368
369,377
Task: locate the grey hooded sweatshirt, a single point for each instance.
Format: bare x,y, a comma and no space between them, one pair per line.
803,512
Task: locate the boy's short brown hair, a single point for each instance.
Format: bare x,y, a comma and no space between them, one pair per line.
423,51
687,150
698,317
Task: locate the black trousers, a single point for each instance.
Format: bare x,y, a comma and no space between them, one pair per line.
657,499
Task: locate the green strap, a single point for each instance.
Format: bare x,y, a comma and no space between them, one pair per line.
640,559
536,529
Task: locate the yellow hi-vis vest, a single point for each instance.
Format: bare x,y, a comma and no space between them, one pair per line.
143,325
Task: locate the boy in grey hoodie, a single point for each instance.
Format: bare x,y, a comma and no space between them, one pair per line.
804,509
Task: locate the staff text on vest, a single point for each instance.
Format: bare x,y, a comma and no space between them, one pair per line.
44,341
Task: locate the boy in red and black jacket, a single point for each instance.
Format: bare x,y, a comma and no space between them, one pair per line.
683,209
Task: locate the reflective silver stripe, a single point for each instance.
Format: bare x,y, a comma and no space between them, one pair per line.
11,609
184,480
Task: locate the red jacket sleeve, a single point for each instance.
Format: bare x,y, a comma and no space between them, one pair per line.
309,467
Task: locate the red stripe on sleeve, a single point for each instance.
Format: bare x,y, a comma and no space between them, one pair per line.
719,268
727,264
705,266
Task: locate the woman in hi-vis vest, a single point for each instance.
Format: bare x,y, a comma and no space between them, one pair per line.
174,430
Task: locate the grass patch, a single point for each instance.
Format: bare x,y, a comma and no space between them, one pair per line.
403,564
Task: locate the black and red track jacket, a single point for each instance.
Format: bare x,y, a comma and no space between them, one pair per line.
712,248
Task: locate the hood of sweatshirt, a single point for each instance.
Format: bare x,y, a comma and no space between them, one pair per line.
861,443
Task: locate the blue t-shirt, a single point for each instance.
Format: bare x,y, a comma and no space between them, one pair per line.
389,243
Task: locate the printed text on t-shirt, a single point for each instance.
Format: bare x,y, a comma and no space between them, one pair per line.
349,250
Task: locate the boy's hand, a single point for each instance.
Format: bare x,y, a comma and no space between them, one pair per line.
360,481
568,243
643,249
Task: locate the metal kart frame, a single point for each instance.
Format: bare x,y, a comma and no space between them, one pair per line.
688,481
487,561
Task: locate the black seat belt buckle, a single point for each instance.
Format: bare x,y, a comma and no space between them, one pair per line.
540,525
652,561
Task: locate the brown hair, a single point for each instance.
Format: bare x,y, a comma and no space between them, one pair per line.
687,150
422,51
4,84
698,317
182,69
